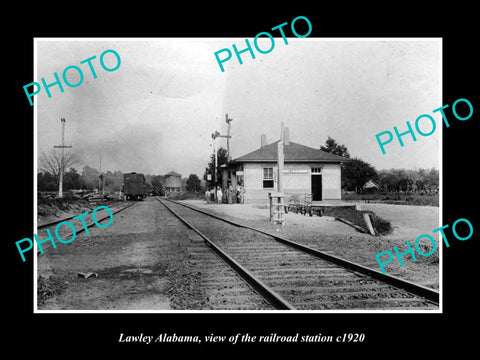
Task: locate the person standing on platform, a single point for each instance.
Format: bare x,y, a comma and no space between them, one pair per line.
219,194
230,194
207,196
240,192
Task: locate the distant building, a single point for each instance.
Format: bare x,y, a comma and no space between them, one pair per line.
173,183
371,186
306,171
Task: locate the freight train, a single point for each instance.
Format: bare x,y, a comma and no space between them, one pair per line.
134,186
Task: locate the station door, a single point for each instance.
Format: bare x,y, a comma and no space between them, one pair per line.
316,187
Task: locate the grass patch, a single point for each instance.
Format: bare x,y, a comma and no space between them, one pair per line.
48,287
62,204
188,195
49,206
403,199
46,206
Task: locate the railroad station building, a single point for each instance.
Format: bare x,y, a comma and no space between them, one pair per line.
173,183
306,171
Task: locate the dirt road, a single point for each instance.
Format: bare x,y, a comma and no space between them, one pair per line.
146,260
127,256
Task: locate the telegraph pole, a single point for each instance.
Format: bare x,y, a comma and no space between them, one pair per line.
101,178
214,169
228,136
279,207
216,135
62,163
280,160
228,121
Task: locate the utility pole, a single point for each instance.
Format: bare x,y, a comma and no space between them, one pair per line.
101,178
216,135
278,208
62,163
215,197
214,167
280,159
228,121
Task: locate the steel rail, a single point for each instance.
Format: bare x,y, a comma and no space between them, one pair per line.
263,289
413,288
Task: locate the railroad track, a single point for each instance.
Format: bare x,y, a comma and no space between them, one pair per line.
203,280
78,229
224,289
292,276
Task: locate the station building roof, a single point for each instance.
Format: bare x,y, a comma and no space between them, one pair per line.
292,152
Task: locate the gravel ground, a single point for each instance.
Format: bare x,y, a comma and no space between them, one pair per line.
329,235
146,260
131,257
308,283
408,221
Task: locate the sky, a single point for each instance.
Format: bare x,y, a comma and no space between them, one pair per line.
157,111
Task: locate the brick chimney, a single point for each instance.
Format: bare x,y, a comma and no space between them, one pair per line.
263,140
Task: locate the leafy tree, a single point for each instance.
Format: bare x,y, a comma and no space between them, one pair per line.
113,181
355,173
221,159
157,184
432,180
387,180
148,188
193,183
47,182
333,147
90,177
402,180
71,180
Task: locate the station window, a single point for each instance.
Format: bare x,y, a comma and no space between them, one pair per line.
240,180
316,170
268,182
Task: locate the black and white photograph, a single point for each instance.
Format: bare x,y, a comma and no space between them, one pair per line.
262,187
222,180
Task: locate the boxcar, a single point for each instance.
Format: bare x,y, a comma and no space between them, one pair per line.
134,186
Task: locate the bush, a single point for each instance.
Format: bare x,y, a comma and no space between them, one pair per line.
380,225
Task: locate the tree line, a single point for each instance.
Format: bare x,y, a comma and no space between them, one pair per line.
405,180
356,173
91,179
